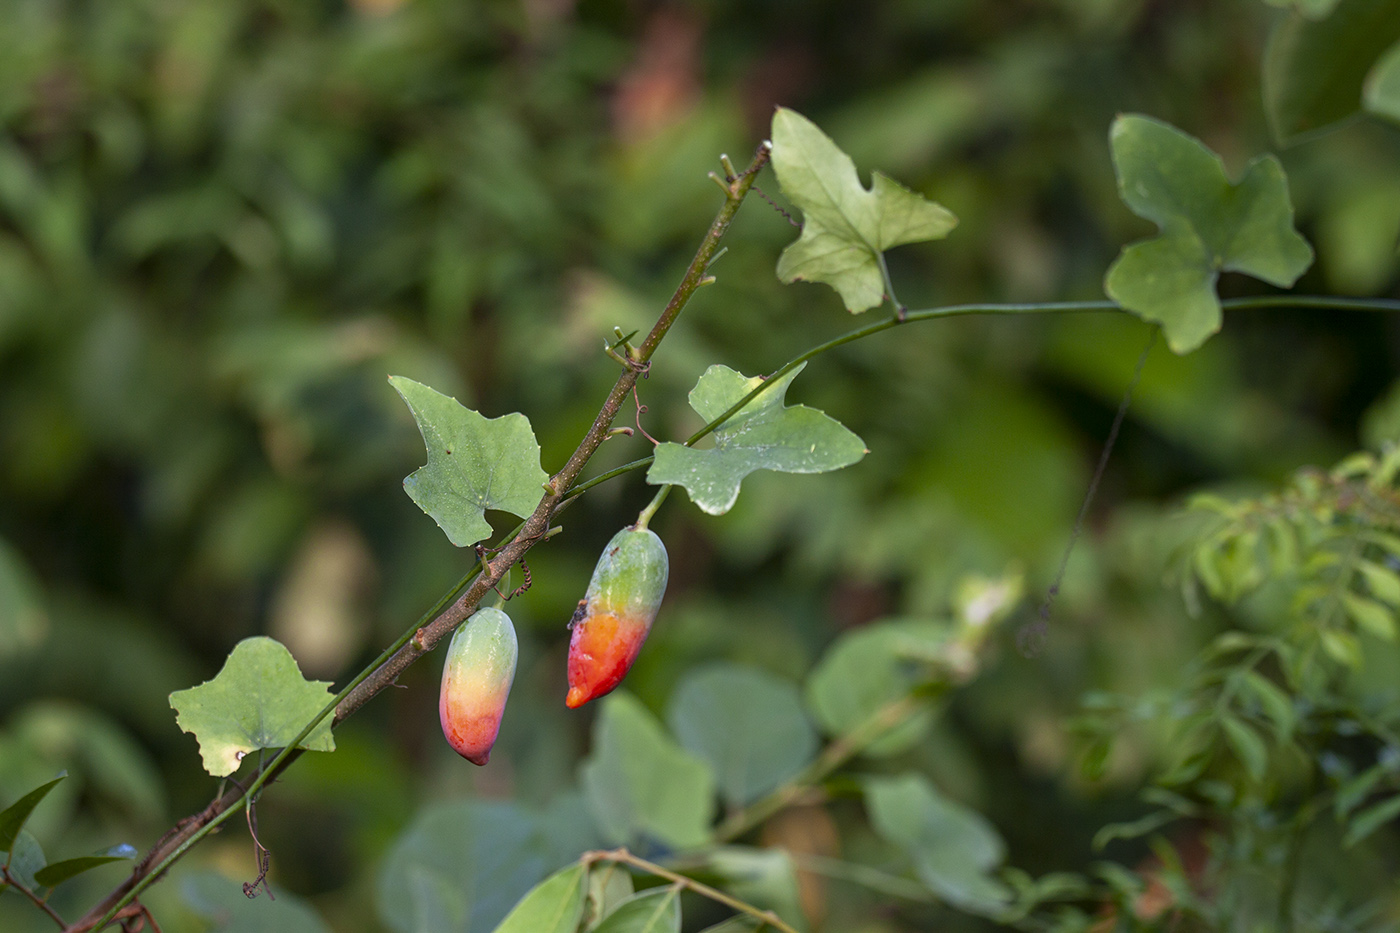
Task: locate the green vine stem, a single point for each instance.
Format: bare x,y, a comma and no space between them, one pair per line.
455,607
644,518
704,890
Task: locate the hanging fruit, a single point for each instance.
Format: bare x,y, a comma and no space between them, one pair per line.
616,613
476,680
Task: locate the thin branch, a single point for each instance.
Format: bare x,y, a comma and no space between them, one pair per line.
704,890
453,609
39,902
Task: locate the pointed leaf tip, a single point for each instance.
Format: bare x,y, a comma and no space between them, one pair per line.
764,435
474,463
845,226
1208,225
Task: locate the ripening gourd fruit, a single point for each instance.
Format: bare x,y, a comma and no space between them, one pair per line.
475,683
616,613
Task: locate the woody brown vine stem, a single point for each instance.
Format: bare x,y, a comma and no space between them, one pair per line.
421,639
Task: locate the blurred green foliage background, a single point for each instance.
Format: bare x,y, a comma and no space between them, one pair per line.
223,223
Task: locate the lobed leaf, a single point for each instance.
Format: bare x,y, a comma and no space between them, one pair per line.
1208,225
763,435
641,784
845,226
258,700
474,463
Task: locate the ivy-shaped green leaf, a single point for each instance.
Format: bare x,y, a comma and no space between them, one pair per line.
845,227
763,435
1315,68
474,463
1208,226
258,700
641,784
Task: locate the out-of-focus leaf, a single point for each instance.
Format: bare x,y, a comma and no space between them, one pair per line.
954,848
1314,69
55,873
867,670
474,463
221,901
1208,225
655,911
1382,89
763,435
748,724
845,226
1371,819
609,884
258,700
764,878
555,905
460,866
25,858
1370,616
1313,9
641,784
1248,746
13,817
23,620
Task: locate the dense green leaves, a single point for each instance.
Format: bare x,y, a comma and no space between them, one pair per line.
845,227
748,724
763,435
1208,225
258,700
953,847
474,463
1315,68
555,905
642,785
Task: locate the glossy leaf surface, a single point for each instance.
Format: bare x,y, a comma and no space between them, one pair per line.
763,435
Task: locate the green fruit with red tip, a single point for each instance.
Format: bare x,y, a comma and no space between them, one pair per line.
616,613
476,680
